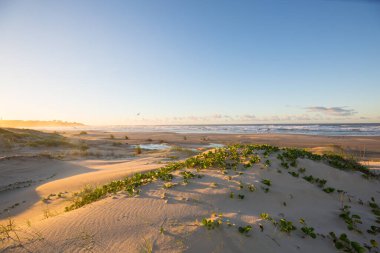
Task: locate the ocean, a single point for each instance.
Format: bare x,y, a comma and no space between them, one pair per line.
369,129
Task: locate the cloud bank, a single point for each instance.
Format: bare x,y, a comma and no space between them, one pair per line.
332,111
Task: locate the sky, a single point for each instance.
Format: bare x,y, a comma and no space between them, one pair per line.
190,61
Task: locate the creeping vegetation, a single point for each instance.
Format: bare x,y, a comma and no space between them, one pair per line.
375,209
265,216
189,175
374,230
245,230
329,190
351,219
307,230
130,185
290,155
343,243
301,170
314,180
283,224
169,185
230,161
294,174
210,223
286,226
227,158
266,182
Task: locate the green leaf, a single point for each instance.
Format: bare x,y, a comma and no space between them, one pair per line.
357,247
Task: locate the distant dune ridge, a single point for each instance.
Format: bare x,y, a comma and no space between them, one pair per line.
37,123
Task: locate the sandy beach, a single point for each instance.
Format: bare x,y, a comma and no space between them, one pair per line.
189,126
42,172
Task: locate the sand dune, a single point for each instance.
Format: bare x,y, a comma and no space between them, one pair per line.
26,181
163,219
38,123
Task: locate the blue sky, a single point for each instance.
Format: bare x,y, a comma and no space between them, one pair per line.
162,62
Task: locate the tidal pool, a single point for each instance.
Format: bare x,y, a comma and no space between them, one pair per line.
153,146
